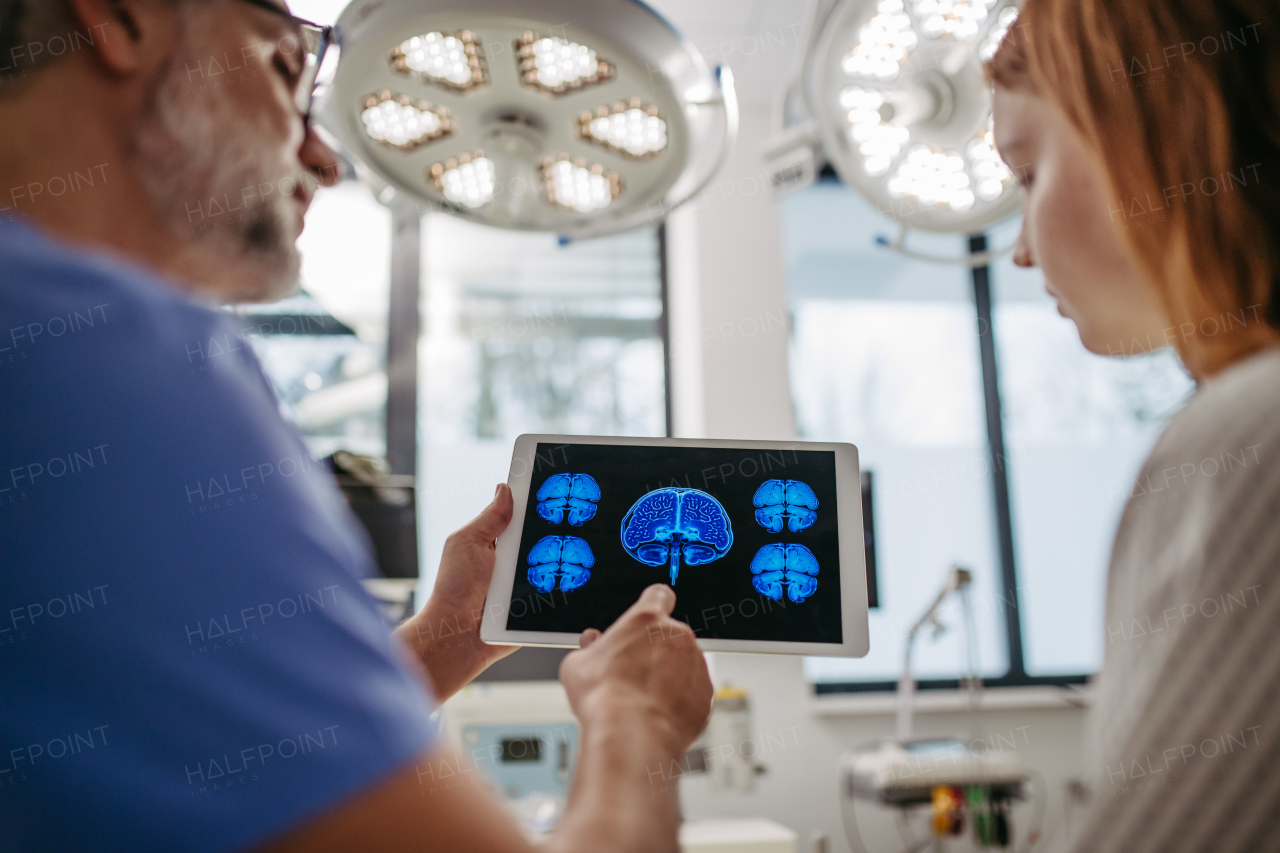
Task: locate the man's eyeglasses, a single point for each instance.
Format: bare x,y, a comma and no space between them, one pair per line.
315,40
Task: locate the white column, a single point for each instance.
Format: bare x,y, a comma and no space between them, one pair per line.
729,317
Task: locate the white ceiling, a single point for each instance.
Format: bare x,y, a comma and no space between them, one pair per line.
756,38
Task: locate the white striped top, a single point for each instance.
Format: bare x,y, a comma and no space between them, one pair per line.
1185,734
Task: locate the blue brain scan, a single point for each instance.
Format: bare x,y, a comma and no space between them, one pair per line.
572,495
789,501
790,566
566,558
671,523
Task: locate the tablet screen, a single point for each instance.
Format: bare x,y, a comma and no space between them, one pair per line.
748,538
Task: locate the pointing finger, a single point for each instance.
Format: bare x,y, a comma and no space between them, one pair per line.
660,597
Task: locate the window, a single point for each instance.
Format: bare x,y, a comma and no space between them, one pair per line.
1077,428
523,334
885,354
324,351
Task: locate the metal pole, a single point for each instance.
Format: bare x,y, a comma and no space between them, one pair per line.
403,327
999,460
664,326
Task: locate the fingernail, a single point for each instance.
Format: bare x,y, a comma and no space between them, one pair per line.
497,489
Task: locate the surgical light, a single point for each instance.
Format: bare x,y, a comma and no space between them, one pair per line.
467,180
878,140
452,60
572,184
883,43
991,43
581,119
558,65
959,19
933,178
403,122
989,171
894,96
631,128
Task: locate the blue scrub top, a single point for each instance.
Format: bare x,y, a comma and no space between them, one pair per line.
187,658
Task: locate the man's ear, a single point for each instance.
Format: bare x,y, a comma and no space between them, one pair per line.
127,36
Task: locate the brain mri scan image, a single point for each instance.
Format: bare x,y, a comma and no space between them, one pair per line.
789,566
669,524
785,501
601,522
568,495
564,558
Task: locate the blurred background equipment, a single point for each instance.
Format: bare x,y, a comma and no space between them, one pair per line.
966,788
728,743
523,738
384,503
386,506
578,119
964,792
958,582
737,835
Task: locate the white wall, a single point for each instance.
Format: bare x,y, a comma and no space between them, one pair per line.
729,312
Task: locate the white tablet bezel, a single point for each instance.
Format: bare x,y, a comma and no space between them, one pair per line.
853,572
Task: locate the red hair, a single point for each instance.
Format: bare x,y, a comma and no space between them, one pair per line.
1179,100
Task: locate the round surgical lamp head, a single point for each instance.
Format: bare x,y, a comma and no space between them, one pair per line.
903,109
581,119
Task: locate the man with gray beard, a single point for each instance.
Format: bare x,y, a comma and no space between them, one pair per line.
190,661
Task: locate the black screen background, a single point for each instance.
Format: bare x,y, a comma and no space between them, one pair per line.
717,599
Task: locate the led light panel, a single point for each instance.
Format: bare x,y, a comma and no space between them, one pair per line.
572,184
468,180
990,174
403,122
632,128
991,43
878,141
451,60
883,43
960,19
558,65
933,177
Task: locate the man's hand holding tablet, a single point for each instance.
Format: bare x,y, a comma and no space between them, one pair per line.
445,634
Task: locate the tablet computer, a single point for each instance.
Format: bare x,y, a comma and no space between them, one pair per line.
761,541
